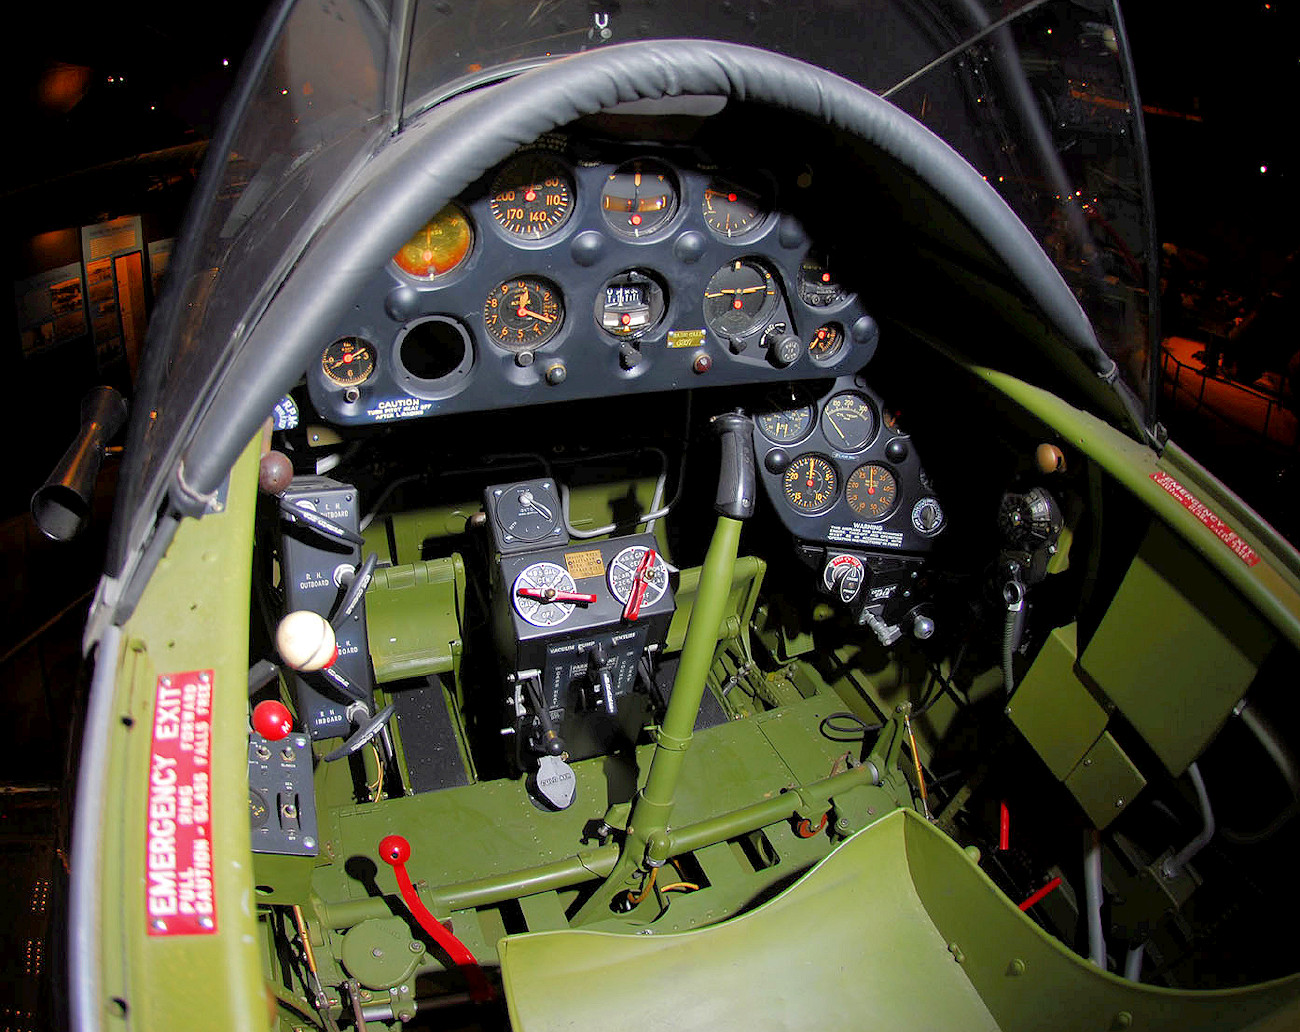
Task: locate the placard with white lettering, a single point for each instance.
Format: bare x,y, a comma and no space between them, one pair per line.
179,896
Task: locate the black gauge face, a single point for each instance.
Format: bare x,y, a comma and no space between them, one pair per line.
810,484
526,514
638,199
826,343
731,211
622,576
871,491
523,314
532,197
789,419
539,578
818,287
739,299
438,247
348,362
630,304
927,517
849,422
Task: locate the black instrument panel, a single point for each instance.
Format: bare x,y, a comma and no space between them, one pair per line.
561,276
840,470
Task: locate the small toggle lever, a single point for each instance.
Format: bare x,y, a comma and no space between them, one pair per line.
395,851
598,665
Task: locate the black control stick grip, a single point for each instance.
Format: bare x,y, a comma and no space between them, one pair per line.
737,482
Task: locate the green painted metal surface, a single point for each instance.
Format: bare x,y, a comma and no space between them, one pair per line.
1105,782
192,616
1173,622
1054,709
413,614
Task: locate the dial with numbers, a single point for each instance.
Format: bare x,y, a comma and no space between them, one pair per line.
811,484
789,418
871,491
548,581
532,197
523,314
622,576
849,422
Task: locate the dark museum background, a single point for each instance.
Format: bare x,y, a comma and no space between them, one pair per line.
110,112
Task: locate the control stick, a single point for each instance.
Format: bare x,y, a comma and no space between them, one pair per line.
737,482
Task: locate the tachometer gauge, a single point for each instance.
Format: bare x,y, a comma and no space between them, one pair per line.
438,247
826,343
348,362
540,594
622,576
731,211
532,197
522,314
739,299
639,198
849,422
631,304
810,484
871,491
790,418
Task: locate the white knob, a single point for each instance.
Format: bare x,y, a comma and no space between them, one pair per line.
306,641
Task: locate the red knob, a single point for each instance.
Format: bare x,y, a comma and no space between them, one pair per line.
272,720
394,849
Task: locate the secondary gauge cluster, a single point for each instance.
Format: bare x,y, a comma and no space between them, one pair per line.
561,275
839,470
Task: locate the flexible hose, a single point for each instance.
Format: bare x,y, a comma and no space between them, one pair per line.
1133,963
1286,766
1174,865
1093,896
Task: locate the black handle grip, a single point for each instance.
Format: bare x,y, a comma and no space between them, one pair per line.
322,524
737,482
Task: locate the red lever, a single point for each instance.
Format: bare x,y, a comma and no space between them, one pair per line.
1044,891
552,595
640,582
272,720
395,850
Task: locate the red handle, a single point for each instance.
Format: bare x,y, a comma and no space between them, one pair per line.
395,850
640,582
547,595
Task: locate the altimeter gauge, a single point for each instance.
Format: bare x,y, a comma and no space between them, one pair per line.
523,313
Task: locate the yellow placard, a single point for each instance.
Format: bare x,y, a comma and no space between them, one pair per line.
585,564
685,338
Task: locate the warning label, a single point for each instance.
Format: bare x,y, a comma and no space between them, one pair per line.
867,534
398,408
179,895
1207,516
585,564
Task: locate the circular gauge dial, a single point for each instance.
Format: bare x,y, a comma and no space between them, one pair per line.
532,197
739,299
622,576
871,491
826,343
731,211
849,422
348,362
631,304
438,247
522,314
790,418
525,513
810,484
927,516
541,577
818,287
639,198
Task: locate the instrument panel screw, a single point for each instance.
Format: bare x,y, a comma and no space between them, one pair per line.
1119,803
416,946
309,842
842,824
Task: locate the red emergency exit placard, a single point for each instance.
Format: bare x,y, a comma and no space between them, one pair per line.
1207,516
179,897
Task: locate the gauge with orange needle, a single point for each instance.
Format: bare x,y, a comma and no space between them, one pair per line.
348,362
739,298
532,197
811,484
731,211
523,313
871,491
438,246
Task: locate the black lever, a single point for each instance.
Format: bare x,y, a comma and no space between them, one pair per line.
737,483
365,731
323,524
360,581
598,670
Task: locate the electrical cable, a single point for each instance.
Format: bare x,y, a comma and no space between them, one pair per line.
833,726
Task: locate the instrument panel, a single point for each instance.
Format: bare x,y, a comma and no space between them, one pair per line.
561,276
840,470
